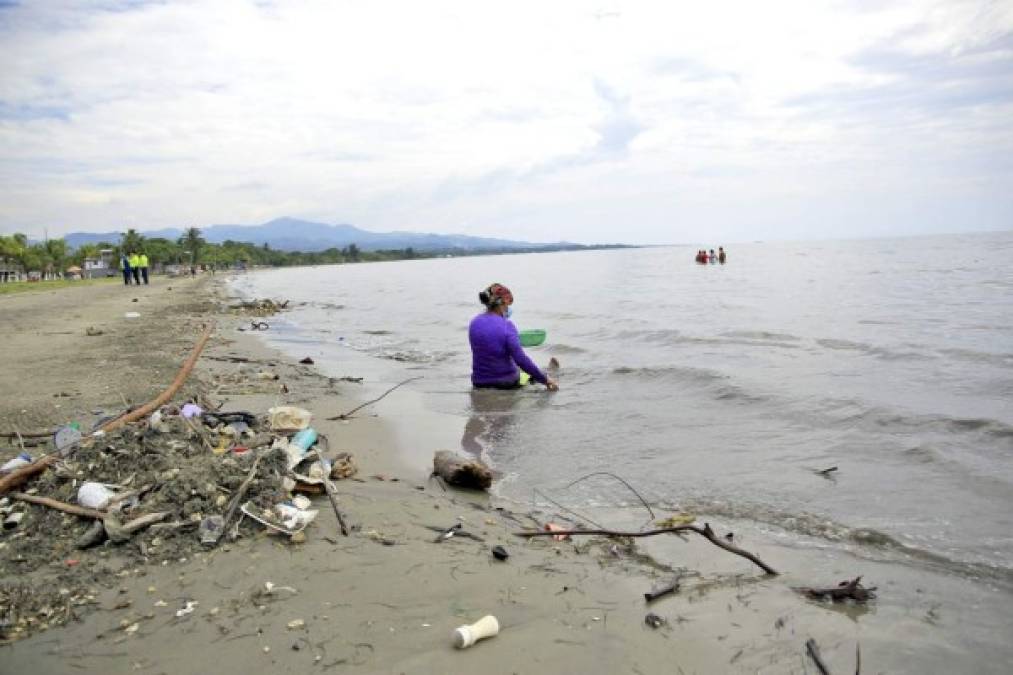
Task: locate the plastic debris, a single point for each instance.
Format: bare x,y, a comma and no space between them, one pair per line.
288,418
94,495
467,635
21,460
191,410
157,423
211,530
187,609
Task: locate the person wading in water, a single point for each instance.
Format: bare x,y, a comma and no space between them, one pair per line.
497,359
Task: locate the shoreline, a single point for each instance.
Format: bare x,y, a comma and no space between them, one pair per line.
387,598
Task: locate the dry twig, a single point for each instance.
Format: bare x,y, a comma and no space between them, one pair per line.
347,415
706,532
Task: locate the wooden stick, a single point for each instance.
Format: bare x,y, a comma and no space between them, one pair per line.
119,533
345,416
241,492
19,476
706,532
72,509
165,396
26,434
814,653
332,494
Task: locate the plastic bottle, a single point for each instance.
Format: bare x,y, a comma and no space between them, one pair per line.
467,635
304,439
21,460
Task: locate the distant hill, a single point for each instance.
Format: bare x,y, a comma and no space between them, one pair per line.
291,234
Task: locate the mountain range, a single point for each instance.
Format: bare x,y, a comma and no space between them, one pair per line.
292,234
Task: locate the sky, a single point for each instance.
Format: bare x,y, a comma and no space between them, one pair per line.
636,122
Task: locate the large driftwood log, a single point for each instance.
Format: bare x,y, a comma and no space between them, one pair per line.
457,470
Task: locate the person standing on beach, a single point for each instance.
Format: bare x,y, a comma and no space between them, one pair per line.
135,267
721,255
125,267
143,260
497,359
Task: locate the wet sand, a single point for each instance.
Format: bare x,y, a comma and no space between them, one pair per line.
387,598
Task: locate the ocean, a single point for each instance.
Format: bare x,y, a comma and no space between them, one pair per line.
720,390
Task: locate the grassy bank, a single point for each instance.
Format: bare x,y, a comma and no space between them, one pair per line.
32,286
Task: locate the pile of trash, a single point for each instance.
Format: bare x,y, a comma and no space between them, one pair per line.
260,307
154,491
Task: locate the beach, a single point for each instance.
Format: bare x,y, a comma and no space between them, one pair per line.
387,597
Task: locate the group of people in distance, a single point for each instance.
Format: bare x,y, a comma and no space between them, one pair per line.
134,266
703,258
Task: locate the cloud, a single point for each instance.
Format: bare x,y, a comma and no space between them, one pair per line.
547,119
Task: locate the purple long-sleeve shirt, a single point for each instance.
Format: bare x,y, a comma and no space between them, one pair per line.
496,352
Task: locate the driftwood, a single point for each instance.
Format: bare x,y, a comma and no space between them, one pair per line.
119,532
846,590
106,523
347,415
332,495
706,532
237,499
461,472
72,509
814,654
165,396
19,476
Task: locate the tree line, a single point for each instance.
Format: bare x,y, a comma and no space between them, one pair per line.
54,256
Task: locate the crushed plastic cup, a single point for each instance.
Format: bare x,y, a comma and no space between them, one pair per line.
288,418
94,495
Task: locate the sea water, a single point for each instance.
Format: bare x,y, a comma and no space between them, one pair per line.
719,389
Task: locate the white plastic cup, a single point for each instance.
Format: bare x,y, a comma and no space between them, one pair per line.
467,635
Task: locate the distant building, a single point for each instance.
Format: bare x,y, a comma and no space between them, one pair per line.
10,271
102,266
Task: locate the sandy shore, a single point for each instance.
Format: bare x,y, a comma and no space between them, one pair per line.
386,598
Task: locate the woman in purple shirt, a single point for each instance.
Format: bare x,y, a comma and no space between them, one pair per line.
496,354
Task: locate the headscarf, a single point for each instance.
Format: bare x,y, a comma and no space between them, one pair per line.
495,295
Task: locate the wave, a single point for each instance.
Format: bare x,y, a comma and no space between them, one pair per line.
867,542
987,358
560,348
675,373
414,355
893,421
762,335
873,350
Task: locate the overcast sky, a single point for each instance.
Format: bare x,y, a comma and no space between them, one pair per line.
588,121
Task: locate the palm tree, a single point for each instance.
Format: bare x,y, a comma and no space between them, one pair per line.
131,242
192,241
86,251
56,251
